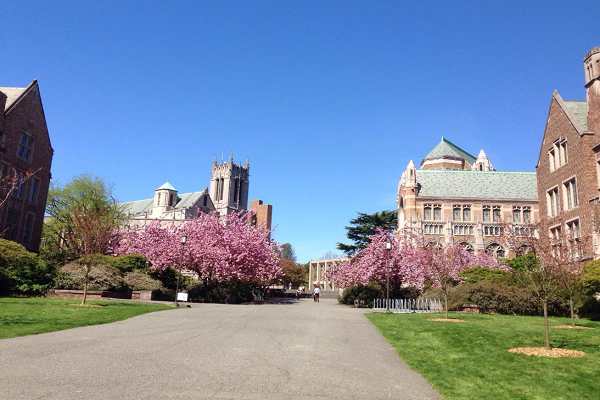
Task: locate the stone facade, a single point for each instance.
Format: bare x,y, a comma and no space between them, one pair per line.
229,186
456,197
317,270
568,168
24,146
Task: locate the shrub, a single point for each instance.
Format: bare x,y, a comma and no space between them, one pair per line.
102,277
13,258
229,292
591,277
366,293
138,280
479,274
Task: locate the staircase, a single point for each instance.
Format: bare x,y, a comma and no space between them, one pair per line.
329,294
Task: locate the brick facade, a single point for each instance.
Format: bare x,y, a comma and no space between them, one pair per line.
23,123
570,152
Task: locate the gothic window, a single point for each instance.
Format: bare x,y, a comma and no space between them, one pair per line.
222,184
495,250
487,214
236,191
171,199
570,194
517,215
33,192
574,230
526,214
427,213
25,149
27,229
466,213
456,213
496,213
12,222
437,213
552,201
467,246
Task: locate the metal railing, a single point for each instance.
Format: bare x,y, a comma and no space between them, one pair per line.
410,305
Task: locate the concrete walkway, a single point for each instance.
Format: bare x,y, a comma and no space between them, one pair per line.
290,350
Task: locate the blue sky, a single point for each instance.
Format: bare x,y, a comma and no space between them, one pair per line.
330,100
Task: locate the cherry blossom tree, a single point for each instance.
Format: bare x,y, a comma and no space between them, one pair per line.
442,266
372,263
217,248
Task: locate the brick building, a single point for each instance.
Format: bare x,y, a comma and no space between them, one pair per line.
24,146
456,197
568,168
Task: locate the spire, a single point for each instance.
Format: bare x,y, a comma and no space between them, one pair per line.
231,158
410,175
482,163
247,162
215,160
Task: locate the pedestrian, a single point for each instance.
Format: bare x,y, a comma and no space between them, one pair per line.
298,291
290,285
316,293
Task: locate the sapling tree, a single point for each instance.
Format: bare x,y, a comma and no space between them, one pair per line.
84,221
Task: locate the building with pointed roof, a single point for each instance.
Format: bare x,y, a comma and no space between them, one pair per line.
456,197
24,147
568,167
228,194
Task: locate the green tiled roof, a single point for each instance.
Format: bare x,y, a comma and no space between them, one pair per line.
168,186
477,184
184,201
445,148
579,110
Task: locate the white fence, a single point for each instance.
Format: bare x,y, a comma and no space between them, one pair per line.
410,305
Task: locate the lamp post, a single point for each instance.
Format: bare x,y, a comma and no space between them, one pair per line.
388,248
183,239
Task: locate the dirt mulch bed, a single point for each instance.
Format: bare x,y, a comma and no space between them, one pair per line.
446,319
571,327
542,352
86,305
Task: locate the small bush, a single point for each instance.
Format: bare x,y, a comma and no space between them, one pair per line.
479,274
366,293
229,292
138,280
101,277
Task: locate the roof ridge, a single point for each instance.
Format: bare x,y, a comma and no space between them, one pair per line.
473,172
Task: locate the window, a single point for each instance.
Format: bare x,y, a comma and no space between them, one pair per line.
552,200
461,213
487,214
526,214
27,230
495,250
25,149
33,193
466,213
427,212
171,203
496,213
12,222
516,214
570,192
18,190
456,214
558,155
574,230
437,212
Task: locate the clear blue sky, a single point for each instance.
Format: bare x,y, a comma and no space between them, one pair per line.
329,99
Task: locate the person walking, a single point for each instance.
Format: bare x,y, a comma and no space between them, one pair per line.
316,293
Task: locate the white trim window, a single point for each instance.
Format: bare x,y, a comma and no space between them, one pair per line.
25,149
553,202
570,194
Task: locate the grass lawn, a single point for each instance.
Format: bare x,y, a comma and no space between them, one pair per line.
470,360
27,316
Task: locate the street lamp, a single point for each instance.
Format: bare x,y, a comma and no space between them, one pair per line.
388,247
183,239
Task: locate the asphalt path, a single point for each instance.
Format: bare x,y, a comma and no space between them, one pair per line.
288,350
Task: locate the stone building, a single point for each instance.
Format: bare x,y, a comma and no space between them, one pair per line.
568,168
456,197
228,194
24,147
317,273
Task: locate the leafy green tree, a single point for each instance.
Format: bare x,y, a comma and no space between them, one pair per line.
366,225
287,252
84,221
293,272
13,258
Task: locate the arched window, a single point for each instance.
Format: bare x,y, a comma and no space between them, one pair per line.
495,250
467,246
171,203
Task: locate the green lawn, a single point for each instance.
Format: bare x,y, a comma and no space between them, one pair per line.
27,316
470,360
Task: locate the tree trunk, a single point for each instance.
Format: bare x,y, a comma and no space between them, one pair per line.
85,289
572,313
546,326
446,301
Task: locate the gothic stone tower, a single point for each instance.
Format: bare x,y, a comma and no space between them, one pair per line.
229,186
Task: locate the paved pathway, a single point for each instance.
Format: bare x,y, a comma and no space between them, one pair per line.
300,350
